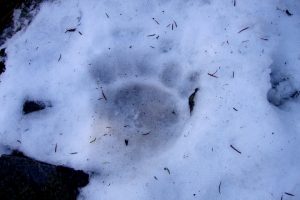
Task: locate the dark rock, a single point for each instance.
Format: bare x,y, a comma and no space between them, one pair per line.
2,60
33,106
7,28
23,178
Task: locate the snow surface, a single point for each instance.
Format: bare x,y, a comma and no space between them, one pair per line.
113,80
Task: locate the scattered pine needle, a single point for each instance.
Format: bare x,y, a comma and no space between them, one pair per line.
155,21
175,23
213,74
289,194
265,39
167,169
103,95
70,30
93,140
146,133
244,29
235,149
288,12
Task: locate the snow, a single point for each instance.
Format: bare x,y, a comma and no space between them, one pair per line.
112,80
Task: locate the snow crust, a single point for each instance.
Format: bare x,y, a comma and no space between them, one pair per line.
117,71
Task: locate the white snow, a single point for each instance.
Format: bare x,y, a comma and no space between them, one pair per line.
87,74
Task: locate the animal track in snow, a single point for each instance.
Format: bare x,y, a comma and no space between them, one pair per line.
142,106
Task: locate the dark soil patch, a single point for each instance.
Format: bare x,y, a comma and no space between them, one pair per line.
33,106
